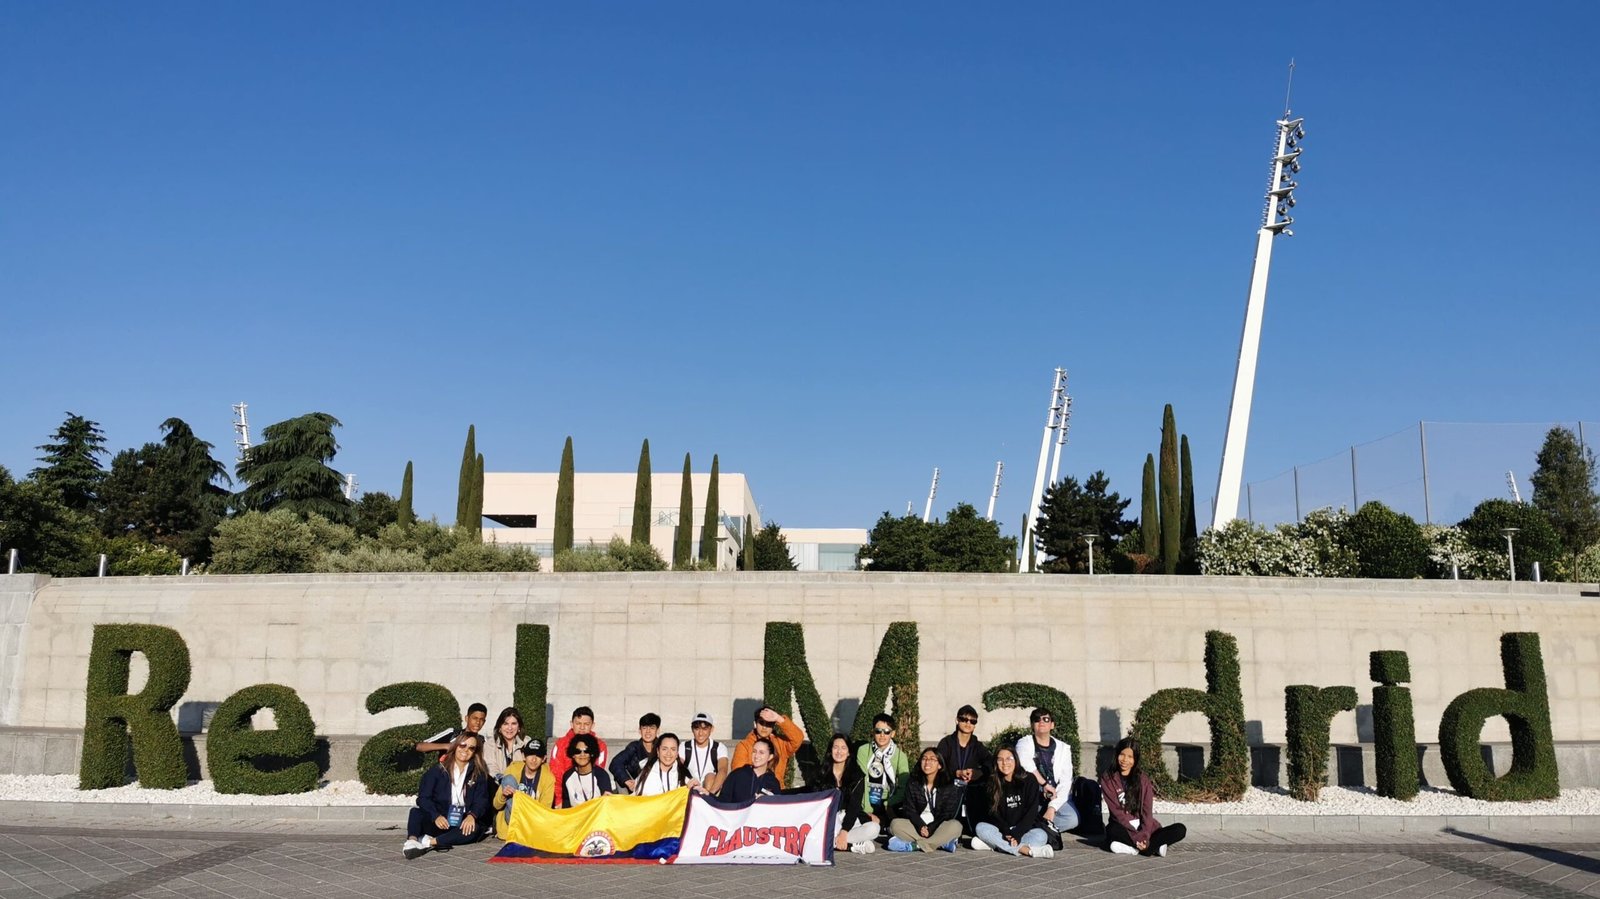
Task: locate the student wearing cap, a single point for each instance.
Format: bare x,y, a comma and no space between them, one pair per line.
666,772
633,757
707,759
968,761
784,735
528,776
586,780
472,723
506,743
1050,762
561,758
452,801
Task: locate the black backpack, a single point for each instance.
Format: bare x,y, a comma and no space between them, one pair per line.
1085,797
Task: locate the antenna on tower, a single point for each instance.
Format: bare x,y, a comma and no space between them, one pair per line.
349,485
1288,90
241,427
1511,481
999,468
927,510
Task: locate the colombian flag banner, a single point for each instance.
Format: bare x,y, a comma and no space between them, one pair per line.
608,828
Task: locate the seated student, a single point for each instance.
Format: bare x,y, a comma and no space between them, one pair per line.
625,767
452,802
527,776
1008,817
506,743
666,772
929,816
884,770
855,830
746,782
708,759
1131,798
561,759
1050,762
783,735
586,780
968,761
473,721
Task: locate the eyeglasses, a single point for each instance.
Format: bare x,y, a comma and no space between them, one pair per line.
968,720
882,730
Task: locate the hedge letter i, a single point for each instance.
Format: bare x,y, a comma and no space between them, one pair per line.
1394,730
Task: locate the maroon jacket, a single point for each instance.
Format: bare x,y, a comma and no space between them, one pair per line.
1111,787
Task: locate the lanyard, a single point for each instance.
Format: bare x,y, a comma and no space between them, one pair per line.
698,767
666,785
962,752
577,788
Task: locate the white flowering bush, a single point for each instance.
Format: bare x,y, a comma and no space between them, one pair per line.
1449,547
1313,548
1588,565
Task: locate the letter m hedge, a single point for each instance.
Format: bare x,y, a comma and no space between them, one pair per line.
113,719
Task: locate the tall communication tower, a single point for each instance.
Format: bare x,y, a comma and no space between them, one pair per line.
1275,220
994,494
241,427
1053,420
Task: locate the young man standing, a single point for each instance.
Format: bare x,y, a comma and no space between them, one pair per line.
477,714
707,759
968,761
784,734
625,767
1050,762
561,762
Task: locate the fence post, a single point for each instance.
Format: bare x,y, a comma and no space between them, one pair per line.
11,565
185,569
1355,496
102,566
1427,504
1249,505
1297,518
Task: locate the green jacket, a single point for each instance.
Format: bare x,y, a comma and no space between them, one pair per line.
902,774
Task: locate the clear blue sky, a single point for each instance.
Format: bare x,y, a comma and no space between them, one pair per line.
837,243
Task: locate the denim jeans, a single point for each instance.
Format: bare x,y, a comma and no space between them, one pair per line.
992,837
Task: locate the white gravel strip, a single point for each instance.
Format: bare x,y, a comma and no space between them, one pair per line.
1268,802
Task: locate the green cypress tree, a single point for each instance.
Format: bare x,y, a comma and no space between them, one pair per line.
408,514
1191,533
642,498
1171,498
749,544
708,529
680,542
564,490
475,514
469,461
1149,518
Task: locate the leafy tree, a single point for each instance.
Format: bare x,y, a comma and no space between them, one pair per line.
642,497
1171,495
71,469
166,493
131,556
1069,511
1387,544
680,540
49,537
767,550
708,528
1191,532
375,511
965,541
289,469
276,542
469,457
406,512
1564,490
1535,540
564,499
1149,516
898,544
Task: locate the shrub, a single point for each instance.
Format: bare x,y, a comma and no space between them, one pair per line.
469,555
1450,552
1007,737
242,759
1387,544
1313,548
590,559
531,680
1525,704
1308,714
370,558
389,763
1394,734
110,713
128,555
1227,772
276,542
1535,540
785,679
1022,695
894,684
1588,567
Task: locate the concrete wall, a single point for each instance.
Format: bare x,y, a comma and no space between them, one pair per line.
681,643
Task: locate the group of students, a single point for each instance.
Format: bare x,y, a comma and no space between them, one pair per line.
1017,801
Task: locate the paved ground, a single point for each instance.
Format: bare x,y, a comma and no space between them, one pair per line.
311,859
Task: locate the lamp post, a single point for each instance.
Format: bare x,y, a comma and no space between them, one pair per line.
1089,539
1511,552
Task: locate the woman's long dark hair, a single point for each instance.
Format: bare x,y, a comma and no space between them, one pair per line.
1131,783
475,768
941,778
655,759
509,711
997,783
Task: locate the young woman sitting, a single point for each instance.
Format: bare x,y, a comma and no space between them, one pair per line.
1008,819
666,772
746,782
452,802
586,780
856,831
930,816
1131,798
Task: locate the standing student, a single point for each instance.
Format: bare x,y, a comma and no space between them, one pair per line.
1131,797
561,759
506,743
855,830
747,782
783,735
707,759
1008,817
472,723
625,767
528,776
1050,762
929,815
968,761
884,770
586,780
666,772
452,801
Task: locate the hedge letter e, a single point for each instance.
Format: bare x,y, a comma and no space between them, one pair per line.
111,715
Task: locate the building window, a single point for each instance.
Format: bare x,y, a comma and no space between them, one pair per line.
836,556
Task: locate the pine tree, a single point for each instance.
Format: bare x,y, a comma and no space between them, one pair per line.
1191,533
290,469
1564,490
564,499
475,514
642,497
408,514
680,541
708,529
1171,495
1149,518
71,467
469,457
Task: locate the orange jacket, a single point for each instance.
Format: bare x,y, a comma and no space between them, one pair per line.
786,737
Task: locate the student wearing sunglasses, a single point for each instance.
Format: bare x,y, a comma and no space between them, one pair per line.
968,761
452,801
1050,762
885,771
587,780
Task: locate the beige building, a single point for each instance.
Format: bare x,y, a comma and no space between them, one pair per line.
824,549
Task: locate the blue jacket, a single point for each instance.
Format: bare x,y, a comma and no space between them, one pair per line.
433,796
743,785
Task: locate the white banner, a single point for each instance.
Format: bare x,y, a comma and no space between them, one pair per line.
771,830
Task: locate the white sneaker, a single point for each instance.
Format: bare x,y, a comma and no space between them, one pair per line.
426,842
866,847
1043,852
980,846
1123,848
1162,850
411,849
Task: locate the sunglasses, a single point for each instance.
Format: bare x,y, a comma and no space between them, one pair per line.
762,722
578,752
882,730
1046,719
968,720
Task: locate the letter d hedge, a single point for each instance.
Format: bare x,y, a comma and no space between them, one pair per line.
1525,704
111,714
1227,772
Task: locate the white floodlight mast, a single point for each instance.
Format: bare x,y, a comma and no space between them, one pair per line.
1065,419
1275,220
1058,389
933,489
241,427
994,494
